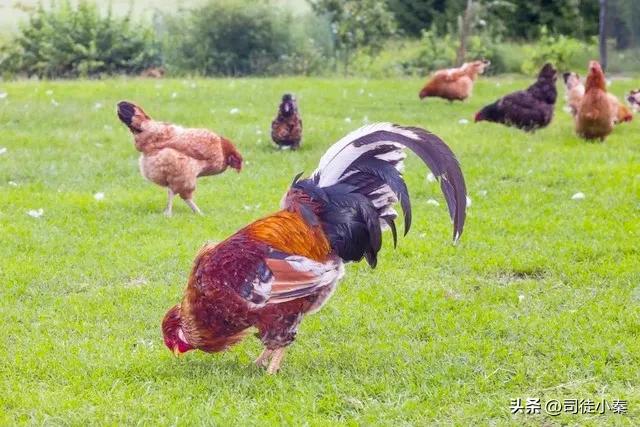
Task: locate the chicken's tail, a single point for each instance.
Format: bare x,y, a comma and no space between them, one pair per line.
358,180
624,114
132,116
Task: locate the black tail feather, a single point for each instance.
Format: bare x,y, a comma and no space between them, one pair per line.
353,191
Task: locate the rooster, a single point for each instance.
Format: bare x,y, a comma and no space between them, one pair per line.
174,157
634,100
575,93
286,128
274,271
528,109
594,119
454,83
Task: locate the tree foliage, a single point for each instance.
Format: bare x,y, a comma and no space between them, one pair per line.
517,19
357,24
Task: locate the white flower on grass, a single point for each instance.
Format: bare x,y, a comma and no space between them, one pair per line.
35,213
578,196
97,105
49,92
483,193
3,95
433,202
234,111
520,297
3,150
174,95
468,201
347,119
54,103
361,91
99,196
13,183
431,177
258,132
463,121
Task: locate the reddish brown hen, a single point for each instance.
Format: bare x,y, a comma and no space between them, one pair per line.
454,84
174,157
595,117
278,269
575,93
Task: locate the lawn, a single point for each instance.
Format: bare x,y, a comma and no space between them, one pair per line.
541,298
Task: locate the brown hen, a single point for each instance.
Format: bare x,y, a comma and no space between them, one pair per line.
454,83
174,157
595,117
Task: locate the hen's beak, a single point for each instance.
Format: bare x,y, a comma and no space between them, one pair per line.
176,351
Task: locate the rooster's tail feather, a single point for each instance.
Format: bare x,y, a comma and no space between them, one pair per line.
359,180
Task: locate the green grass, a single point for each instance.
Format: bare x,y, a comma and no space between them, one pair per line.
540,299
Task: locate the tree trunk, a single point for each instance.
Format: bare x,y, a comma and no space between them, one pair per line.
464,24
603,34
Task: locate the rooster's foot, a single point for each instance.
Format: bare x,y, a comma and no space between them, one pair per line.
276,361
263,360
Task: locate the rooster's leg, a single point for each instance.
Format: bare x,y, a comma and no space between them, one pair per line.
168,211
276,361
263,359
193,206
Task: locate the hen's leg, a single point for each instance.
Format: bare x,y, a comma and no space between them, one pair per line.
193,206
276,360
168,211
264,357
187,196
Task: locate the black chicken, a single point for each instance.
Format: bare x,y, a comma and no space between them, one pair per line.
286,129
528,109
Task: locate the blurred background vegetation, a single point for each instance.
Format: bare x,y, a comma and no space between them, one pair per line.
371,38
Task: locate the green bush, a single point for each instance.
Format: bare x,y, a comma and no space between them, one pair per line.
237,38
68,42
436,52
564,52
408,57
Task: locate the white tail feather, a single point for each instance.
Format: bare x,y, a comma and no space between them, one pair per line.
343,153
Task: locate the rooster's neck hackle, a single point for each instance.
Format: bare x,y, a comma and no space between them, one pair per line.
288,231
